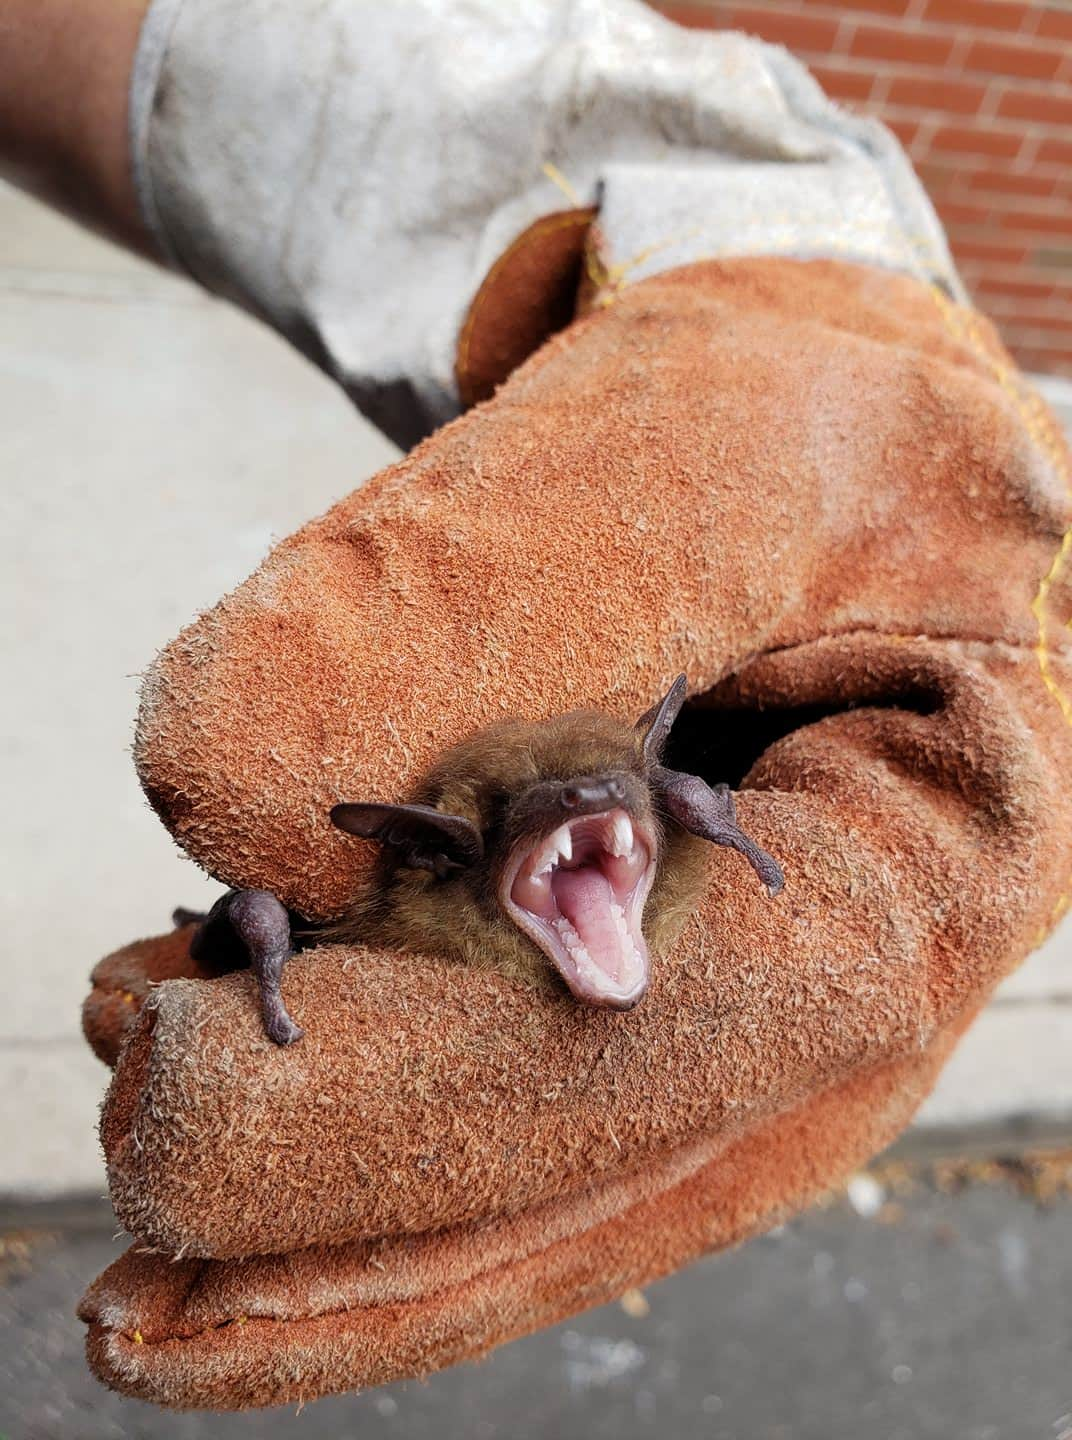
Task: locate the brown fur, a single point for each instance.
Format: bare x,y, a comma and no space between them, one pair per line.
486,779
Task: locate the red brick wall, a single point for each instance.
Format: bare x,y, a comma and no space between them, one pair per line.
980,93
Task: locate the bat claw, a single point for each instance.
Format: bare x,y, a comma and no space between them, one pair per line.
281,1029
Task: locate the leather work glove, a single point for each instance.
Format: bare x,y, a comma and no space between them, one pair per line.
728,414
821,490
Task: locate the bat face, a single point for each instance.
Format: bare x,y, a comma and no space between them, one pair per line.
581,858
541,844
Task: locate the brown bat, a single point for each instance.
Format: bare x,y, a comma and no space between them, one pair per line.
559,846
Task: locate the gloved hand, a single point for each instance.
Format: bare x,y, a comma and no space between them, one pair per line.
822,491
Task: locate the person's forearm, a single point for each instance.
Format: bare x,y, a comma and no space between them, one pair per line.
64,76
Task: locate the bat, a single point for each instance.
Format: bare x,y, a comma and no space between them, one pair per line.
557,851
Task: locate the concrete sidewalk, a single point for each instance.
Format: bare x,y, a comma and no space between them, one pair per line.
942,1316
154,444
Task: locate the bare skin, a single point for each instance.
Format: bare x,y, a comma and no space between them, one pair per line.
64,79
248,928
555,851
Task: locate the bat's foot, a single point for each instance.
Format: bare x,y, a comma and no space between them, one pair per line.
251,927
264,927
278,1025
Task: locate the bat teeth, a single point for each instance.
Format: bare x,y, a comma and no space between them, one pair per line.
558,847
621,835
622,926
573,942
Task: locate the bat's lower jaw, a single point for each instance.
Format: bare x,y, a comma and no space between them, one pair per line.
594,991
618,983
579,895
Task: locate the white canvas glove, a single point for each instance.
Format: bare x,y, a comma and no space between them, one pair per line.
351,170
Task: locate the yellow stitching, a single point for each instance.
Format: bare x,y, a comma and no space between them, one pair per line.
964,325
920,246
915,251
556,177
1060,907
1038,609
617,273
906,262
912,263
598,274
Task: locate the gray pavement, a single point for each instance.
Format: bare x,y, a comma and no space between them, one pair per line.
942,1316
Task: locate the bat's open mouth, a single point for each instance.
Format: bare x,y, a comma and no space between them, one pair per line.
579,893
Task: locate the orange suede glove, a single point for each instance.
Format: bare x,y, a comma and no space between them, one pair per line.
823,492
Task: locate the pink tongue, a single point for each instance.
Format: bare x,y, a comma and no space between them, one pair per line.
584,896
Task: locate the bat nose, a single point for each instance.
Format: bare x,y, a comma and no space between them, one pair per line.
591,793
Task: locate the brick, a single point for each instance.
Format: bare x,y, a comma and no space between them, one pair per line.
1040,321
938,194
1052,151
1027,61
788,25
977,140
940,174
1040,337
1054,362
1016,287
888,9
901,44
1046,107
847,84
1054,22
1056,221
997,252
695,17
1042,342
1038,355
1057,257
956,213
980,14
936,92
1048,301
1011,182
907,131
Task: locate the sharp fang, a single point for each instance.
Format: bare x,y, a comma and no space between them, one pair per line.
559,847
622,835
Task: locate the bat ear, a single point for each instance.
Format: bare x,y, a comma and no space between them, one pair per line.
655,724
711,814
425,838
